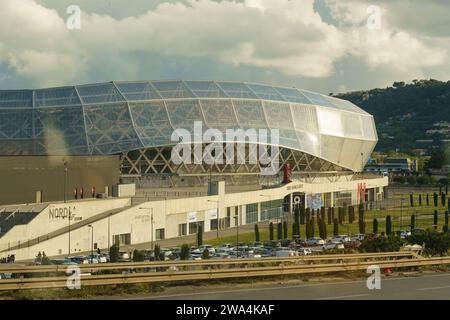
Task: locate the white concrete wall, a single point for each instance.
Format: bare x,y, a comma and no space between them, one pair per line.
166,214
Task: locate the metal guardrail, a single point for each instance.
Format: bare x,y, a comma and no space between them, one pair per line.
173,272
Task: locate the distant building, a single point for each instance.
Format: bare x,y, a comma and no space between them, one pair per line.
395,166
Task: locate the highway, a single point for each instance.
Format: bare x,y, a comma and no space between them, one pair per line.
425,287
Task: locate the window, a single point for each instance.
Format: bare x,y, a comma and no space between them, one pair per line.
213,224
193,226
271,209
182,229
159,234
124,238
251,213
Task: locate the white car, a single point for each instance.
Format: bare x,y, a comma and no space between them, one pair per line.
316,241
358,237
226,247
333,245
304,251
208,247
286,253
405,234
341,238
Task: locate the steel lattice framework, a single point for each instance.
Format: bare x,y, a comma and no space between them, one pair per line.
129,117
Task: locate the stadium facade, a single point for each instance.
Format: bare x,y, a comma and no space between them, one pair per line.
324,141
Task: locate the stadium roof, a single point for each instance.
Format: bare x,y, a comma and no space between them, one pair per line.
115,117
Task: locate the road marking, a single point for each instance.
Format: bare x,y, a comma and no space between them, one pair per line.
343,297
433,288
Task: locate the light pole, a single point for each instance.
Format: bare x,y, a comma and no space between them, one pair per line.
218,221
362,165
151,223
69,231
401,213
237,231
65,179
92,242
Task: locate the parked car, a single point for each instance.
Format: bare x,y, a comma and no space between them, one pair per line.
358,237
226,247
62,262
208,247
79,259
405,234
341,238
124,256
304,251
286,253
315,241
333,244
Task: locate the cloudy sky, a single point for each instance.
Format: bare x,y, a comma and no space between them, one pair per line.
322,45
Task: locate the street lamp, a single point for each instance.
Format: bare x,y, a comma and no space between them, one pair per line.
218,221
92,241
151,223
65,178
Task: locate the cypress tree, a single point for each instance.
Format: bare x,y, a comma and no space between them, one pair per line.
312,226
413,222
256,232
375,226
323,229
411,199
335,227
435,199
294,230
285,230
308,214
332,214
322,213
340,215
271,231
362,226
420,200
446,217
428,200
329,215
279,231
388,225
199,235
297,216
443,199
445,228
302,215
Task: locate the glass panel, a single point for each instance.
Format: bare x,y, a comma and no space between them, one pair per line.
331,148
318,99
20,147
305,117
138,91
330,122
309,143
98,93
288,138
237,90
16,98
352,125
351,154
56,97
292,95
152,123
110,129
183,114
265,92
345,105
219,114
172,89
250,113
206,89
368,128
16,124
278,115
60,131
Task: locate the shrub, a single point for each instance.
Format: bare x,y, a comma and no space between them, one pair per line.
435,218
399,179
435,243
446,217
411,180
138,256
381,244
114,253
184,252
205,254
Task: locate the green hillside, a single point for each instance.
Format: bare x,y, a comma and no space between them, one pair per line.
404,112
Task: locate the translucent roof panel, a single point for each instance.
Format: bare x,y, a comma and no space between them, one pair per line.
206,89
305,117
99,93
237,90
330,122
16,124
64,96
317,99
265,92
172,89
184,113
250,114
138,90
219,113
16,99
345,105
352,125
368,127
278,115
293,95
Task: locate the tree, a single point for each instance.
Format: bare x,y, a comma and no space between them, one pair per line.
271,231
205,254
184,252
297,215
445,228
157,253
138,256
279,231
199,235
335,227
411,180
322,213
302,215
256,232
420,200
45,260
322,229
428,200
295,230
411,199
308,214
375,226
388,225
312,227
443,199
446,217
114,253
285,230
413,222
437,160
340,218
329,215
435,199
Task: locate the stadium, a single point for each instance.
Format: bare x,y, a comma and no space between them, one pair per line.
62,147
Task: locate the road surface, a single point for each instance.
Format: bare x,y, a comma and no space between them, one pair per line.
436,287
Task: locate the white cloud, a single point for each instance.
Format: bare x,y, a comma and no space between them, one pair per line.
284,36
